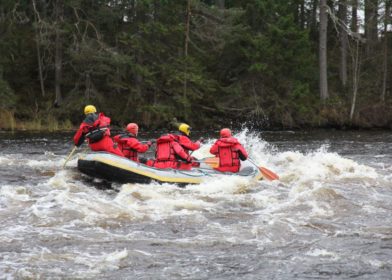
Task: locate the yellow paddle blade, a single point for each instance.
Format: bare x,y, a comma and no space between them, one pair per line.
268,174
213,162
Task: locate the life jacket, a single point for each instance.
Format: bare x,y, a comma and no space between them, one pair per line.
97,126
128,152
164,149
228,156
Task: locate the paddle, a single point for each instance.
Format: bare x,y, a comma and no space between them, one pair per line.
212,162
268,174
70,155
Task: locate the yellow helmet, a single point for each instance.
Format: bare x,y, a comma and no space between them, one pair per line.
89,109
184,128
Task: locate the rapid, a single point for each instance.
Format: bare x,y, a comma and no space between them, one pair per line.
328,217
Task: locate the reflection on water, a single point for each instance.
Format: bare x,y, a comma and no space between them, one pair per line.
328,216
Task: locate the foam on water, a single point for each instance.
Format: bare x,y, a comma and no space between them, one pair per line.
63,207
303,174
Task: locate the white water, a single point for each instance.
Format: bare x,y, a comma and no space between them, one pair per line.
328,216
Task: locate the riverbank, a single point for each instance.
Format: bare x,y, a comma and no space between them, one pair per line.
372,117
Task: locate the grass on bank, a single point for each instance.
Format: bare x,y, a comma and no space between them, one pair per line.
50,123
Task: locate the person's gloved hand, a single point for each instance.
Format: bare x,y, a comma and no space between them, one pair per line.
81,141
190,159
202,140
149,144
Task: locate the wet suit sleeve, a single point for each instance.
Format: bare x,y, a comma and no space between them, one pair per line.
79,136
188,144
214,149
180,151
137,146
243,155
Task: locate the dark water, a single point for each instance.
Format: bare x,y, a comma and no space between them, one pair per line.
329,217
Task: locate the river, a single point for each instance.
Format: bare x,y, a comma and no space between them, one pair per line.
328,217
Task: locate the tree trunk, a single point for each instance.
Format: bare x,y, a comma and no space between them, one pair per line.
342,13
37,44
220,4
303,14
313,20
354,16
356,71
385,54
187,29
323,50
371,35
58,53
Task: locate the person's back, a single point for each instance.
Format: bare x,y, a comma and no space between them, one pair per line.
95,127
170,154
129,144
229,151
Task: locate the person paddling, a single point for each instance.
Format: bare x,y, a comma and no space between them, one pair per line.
95,128
130,145
170,154
184,131
229,151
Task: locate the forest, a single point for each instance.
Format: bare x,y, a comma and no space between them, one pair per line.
272,64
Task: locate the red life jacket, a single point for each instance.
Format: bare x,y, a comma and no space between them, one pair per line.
96,127
170,154
229,151
164,150
128,152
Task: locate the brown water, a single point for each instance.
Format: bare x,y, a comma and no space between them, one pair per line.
329,217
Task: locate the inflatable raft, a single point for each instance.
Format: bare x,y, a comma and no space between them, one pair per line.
119,169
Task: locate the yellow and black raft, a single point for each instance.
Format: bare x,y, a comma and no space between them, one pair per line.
119,169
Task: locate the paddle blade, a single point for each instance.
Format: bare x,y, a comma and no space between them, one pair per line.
213,162
268,174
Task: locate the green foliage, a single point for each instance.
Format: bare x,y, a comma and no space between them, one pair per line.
252,60
7,96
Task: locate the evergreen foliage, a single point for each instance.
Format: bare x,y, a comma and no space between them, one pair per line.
251,61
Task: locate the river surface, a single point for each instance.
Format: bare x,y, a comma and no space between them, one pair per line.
328,217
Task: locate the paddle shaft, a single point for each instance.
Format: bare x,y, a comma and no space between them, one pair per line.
70,155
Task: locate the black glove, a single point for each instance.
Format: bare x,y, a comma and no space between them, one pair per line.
81,141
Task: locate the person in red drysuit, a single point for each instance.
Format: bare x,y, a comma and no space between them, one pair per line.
184,140
95,127
186,143
229,151
130,145
170,154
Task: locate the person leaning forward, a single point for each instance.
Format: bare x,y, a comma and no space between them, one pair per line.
229,151
170,154
95,128
182,137
130,145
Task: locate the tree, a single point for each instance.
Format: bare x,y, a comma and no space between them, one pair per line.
323,50
387,11
342,15
371,32
59,10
